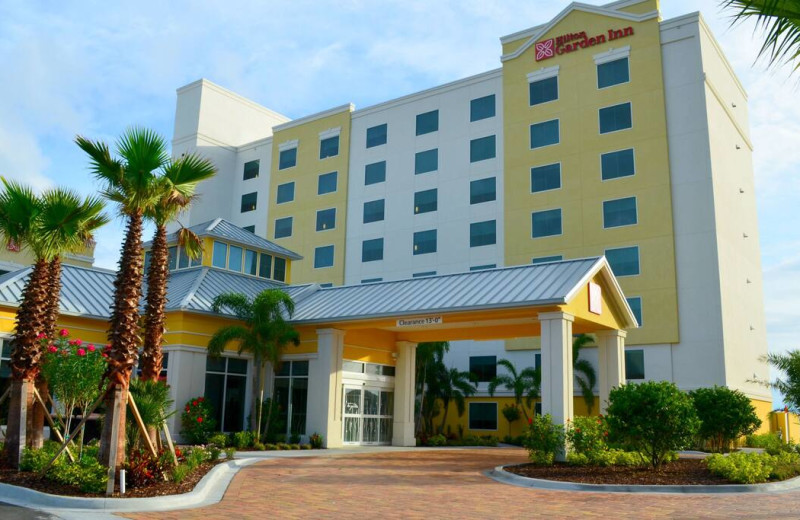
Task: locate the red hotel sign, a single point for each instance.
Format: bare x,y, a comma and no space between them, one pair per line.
575,41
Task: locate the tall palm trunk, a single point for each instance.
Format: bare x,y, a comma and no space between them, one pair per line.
157,276
258,389
124,338
446,404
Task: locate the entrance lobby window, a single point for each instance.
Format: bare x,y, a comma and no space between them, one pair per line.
291,396
367,415
226,382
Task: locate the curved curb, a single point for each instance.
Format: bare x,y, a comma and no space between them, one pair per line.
209,490
501,475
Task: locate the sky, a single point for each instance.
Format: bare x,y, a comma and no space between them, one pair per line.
95,68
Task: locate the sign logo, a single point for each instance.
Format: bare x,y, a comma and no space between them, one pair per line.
595,298
420,322
571,42
545,49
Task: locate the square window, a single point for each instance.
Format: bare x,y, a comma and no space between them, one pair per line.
426,201
619,212
172,258
329,147
545,178
265,266
374,173
613,73
545,259
482,233
426,161
543,91
617,164
285,192
545,134
249,202
323,257
425,242
376,135
372,250
482,149
235,259
483,416
283,227
251,229
183,258
483,190
634,364
250,170
484,367
280,269
624,261
427,122
546,223
482,108
327,183
326,219
250,262
615,118
287,159
220,255
635,303
373,211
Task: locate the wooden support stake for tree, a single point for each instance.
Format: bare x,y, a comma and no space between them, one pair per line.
49,418
142,427
5,394
112,456
58,415
169,443
74,432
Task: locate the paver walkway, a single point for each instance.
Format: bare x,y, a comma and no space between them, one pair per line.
434,484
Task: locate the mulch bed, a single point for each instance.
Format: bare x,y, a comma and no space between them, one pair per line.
34,481
681,472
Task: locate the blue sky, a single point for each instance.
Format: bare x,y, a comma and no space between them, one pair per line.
95,67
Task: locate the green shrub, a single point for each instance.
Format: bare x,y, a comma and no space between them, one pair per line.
35,460
769,442
143,470
282,446
305,447
230,453
543,439
744,468
220,440
316,440
179,473
259,446
785,465
725,415
242,440
195,457
213,453
294,446
611,457
294,438
88,475
436,440
653,418
587,435
197,420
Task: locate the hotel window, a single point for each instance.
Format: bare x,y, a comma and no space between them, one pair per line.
425,242
635,303
184,261
287,158
483,190
482,267
249,202
373,211
251,228
172,258
374,173
423,274
483,416
372,250
624,261
323,257
615,118
546,223
291,396
427,122
613,73
280,270
543,91
545,259
285,193
326,285
329,147
326,219
617,164
482,233
545,134
265,265
546,178
235,258
426,201
619,212
426,161
634,364
482,149
5,366
376,135
226,382
484,367
327,183
372,280
482,108
250,170
219,257
250,262
283,227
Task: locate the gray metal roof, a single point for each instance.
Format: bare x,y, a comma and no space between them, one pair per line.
221,228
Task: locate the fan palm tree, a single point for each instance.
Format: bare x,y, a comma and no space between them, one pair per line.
265,333
428,356
583,371
789,386
526,384
131,180
779,19
177,191
455,385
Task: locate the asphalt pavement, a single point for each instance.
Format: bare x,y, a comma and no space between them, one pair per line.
9,512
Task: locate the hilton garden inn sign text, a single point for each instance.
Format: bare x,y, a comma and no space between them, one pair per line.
571,42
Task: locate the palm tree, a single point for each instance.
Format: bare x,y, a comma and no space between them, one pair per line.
265,333
780,19
130,180
454,385
789,386
176,188
428,356
583,371
525,384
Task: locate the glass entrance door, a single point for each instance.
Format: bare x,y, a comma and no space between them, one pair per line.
367,415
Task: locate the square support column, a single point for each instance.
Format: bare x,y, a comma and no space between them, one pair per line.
325,388
404,394
611,362
557,392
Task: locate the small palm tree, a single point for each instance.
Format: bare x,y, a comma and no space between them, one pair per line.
525,384
789,386
265,333
583,371
454,385
780,19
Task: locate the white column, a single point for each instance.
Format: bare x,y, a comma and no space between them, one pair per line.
324,410
404,393
611,362
557,365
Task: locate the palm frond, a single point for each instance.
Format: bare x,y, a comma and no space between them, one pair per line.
779,20
191,243
220,339
19,211
509,366
237,303
505,381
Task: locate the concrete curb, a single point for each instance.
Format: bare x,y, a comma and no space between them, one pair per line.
209,490
501,475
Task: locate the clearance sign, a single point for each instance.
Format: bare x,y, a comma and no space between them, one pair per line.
567,43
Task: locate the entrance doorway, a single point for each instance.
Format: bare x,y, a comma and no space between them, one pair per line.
367,415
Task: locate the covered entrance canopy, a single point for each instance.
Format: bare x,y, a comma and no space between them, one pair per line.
552,300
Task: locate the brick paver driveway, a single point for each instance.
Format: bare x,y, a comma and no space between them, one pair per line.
434,484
